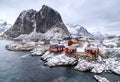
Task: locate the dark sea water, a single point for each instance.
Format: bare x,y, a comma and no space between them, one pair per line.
20,67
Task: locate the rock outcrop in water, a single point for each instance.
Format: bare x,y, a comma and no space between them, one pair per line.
24,46
42,20
101,79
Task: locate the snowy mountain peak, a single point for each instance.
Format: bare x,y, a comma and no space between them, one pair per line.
42,20
78,30
99,35
2,22
3,26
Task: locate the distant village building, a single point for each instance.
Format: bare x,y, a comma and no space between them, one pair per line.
93,51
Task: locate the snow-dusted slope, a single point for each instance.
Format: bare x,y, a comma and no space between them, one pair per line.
77,30
3,26
57,31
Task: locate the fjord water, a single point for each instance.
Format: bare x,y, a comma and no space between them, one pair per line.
20,67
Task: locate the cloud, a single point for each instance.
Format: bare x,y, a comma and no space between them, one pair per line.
95,15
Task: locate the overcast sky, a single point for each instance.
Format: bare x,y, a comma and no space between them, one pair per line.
95,15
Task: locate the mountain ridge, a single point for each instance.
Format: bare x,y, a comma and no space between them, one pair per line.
42,20
78,30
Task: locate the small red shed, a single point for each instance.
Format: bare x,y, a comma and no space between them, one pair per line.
70,49
93,51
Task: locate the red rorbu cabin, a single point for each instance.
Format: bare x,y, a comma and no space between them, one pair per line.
56,48
93,51
70,49
70,42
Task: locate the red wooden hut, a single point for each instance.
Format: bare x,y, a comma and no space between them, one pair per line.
56,48
93,51
70,42
70,49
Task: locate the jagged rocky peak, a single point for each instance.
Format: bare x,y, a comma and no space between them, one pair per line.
42,20
27,13
47,17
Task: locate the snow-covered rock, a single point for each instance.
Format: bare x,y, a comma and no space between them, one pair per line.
39,50
101,79
110,43
112,64
98,68
116,70
83,65
47,55
58,59
21,46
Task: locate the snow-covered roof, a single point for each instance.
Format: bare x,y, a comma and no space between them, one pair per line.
91,48
71,47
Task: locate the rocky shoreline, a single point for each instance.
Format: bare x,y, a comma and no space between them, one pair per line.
110,64
61,59
21,46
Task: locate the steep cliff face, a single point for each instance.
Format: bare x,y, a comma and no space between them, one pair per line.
42,20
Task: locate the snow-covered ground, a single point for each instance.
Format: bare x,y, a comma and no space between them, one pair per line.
110,64
39,50
53,59
81,49
84,65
